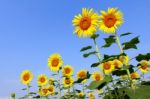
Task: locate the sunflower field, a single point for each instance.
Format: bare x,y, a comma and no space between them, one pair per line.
116,77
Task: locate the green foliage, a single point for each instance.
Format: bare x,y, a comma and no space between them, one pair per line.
95,64
131,44
143,57
109,41
125,34
96,85
85,48
88,54
95,36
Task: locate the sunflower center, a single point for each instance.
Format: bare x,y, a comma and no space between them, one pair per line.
42,79
97,77
144,67
82,75
107,66
26,77
55,62
67,70
85,23
110,20
67,81
45,91
133,76
50,89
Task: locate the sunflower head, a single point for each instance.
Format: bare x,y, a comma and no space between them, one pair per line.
55,62
68,81
110,20
81,94
91,95
43,91
26,77
96,76
42,80
134,75
82,74
86,23
51,81
117,63
144,66
107,67
124,59
51,89
67,71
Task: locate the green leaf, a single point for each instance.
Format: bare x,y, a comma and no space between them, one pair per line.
96,85
143,57
95,36
145,83
108,78
125,34
24,89
131,44
109,41
85,48
88,54
95,64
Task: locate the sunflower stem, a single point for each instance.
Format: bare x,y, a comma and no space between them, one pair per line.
122,51
59,91
28,88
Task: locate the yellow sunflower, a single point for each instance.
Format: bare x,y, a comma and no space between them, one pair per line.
134,76
91,95
42,80
51,89
26,77
55,62
68,81
96,76
51,80
124,59
107,67
117,63
82,74
43,92
67,70
81,94
144,66
86,23
110,20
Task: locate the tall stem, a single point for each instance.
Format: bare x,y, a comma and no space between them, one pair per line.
97,50
59,91
27,91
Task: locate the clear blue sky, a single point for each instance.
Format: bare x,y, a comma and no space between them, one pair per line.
31,30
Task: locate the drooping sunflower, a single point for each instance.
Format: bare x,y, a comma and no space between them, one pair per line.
134,75
107,67
91,95
51,89
26,77
42,80
124,59
97,76
86,23
55,62
68,81
67,70
144,66
117,63
110,20
51,81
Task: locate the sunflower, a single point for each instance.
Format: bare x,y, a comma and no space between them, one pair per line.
42,80
144,66
124,59
110,20
55,62
134,75
107,67
43,91
68,81
26,77
91,95
86,23
67,70
81,94
51,89
82,74
117,63
96,76
51,81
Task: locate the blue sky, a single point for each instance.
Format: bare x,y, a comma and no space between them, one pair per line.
31,30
